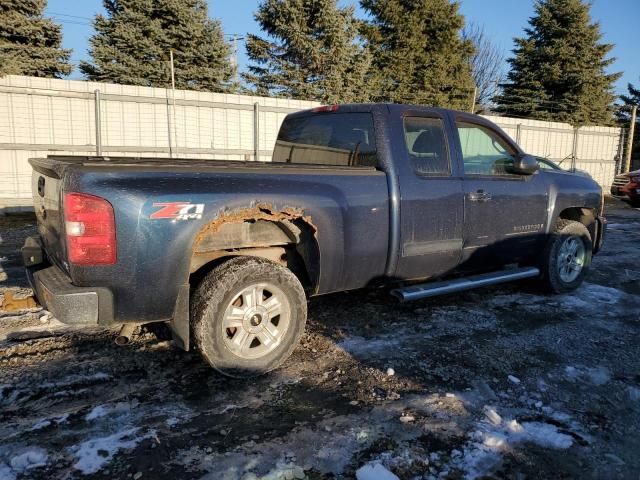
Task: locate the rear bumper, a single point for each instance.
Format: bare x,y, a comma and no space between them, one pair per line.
53,289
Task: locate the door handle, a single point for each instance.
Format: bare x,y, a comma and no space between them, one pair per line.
480,196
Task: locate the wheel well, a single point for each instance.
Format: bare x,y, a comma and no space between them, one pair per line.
286,256
286,237
586,216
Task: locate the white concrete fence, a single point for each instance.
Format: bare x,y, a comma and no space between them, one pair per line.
47,116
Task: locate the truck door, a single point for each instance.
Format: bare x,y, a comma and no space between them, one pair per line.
431,203
505,212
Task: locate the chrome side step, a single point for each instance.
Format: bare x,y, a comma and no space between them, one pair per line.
433,289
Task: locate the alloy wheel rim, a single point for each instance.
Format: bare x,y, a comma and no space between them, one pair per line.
256,320
571,259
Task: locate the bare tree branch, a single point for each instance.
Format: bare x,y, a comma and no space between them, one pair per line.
487,64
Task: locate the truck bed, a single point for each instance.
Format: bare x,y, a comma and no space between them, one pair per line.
347,206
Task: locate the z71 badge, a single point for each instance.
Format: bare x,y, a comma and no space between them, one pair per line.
178,211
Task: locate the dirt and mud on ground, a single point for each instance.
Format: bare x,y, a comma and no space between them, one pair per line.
502,382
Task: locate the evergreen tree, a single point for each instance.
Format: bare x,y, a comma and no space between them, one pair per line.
558,71
312,52
632,98
419,54
132,45
623,115
29,43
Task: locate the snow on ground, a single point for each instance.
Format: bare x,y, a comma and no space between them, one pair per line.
328,447
93,454
360,346
589,298
46,422
118,408
20,463
597,375
110,428
99,433
6,472
374,471
75,380
503,382
495,436
496,430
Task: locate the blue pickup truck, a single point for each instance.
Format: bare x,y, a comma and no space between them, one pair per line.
425,200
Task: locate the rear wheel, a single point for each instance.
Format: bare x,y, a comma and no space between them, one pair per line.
566,257
248,316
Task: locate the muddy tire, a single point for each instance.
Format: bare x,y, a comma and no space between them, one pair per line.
248,315
567,257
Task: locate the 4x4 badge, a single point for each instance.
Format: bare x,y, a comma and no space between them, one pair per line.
178,211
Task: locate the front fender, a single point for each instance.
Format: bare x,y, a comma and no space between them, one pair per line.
568,191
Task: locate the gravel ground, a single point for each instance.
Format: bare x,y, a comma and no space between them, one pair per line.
496,383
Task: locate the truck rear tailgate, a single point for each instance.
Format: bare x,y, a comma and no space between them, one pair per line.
46,187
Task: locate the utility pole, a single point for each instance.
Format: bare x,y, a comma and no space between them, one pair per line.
632,128
574,148
173,74
234,57
235,38
473,101
173,99
98,124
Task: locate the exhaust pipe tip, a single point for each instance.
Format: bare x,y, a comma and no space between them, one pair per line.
122,340
126,332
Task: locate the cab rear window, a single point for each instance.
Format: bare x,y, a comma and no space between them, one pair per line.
341,139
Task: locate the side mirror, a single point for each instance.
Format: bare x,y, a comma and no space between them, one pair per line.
525,164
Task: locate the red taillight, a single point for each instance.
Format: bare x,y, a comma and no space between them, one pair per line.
91,230
326,108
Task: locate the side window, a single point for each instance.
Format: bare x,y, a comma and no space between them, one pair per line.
342,139
427,145
484,152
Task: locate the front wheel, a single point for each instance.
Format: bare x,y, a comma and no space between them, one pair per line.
248,315
567,257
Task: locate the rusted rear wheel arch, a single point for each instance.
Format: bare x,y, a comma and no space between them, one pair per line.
287,237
